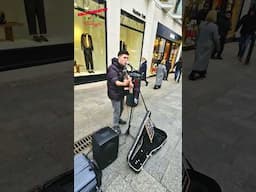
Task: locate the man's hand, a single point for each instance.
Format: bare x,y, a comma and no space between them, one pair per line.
126,82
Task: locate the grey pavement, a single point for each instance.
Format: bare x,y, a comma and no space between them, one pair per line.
36,125
162,172
219,117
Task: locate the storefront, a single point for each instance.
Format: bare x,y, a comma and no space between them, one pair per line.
166,47
105,27
90,53
131,37
194,8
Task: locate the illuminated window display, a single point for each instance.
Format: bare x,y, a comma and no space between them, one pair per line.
164,49
131,37
89,38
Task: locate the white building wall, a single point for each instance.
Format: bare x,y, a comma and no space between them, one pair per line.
153,16
113,28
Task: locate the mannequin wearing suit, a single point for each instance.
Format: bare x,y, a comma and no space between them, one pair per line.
87,47
35,11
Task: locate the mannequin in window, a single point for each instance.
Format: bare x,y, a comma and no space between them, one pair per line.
35,11
87,47
123,46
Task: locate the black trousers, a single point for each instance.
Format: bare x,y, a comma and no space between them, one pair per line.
35,11
88,58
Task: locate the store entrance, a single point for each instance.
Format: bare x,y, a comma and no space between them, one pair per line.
164,50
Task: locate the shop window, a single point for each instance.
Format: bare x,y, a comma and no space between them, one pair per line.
164,50
159,53
131,37
89,38
34,23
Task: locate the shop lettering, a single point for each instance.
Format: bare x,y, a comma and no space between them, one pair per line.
92,12
92,21
138,13
88,23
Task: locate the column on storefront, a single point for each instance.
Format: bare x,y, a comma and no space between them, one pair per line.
113,26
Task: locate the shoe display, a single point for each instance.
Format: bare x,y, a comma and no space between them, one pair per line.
117,129
122,122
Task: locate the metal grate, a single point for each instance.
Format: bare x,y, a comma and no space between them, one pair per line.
83,144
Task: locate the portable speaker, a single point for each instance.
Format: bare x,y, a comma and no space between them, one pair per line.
105,146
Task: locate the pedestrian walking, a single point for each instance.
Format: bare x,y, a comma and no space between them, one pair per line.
207,39
178,70
143,70
224,25
248,27
168,67
160,74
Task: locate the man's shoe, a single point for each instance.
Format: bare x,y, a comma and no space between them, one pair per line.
117,129
219,57
122,122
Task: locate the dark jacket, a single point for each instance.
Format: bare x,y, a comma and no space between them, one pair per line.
224,25
248,25
115,73
143,70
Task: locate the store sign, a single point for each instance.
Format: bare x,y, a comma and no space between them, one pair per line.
138,13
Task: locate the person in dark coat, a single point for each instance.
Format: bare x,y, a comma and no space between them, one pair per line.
248,23
117,80
224,25
178,70
168,67
202,13
143,70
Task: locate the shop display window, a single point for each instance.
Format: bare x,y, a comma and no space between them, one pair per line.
131,37
89,38
33,23
164,50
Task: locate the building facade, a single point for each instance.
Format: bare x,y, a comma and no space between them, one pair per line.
146,28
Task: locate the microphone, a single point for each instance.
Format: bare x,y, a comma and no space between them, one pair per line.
130,66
